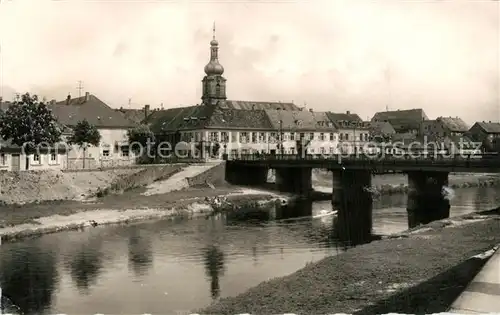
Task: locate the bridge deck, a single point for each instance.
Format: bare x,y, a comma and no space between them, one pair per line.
476,164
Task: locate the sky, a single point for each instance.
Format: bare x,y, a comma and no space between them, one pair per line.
362,56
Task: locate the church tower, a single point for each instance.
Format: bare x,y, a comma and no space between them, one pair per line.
214,84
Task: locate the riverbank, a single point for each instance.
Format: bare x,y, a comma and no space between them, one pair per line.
18,222
419,271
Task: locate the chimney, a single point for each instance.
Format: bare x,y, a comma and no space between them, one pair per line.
146,111
68,99
87,96
348,112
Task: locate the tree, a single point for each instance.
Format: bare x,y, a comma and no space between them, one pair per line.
141,135
84,134
29,123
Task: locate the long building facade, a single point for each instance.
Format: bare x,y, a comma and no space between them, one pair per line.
243,127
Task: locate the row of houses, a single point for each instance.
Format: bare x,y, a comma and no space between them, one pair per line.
237,126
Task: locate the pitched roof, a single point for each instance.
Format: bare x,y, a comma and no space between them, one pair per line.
347,121
249,105
454,124
336,117
239,119
93,110
135,115
173,119
489,127
381,127
402,119
299,120
208,117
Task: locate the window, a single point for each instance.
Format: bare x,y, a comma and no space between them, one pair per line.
331,150
36,158
347,136
105,152
214,136
331,136
53,157
272,137
197,136
3,159
292,136
254,137
224,136
262,137
322,150
341,136
243,137
311,136
125,151
302,135
322,137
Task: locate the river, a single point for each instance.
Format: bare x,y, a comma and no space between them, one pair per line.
173,266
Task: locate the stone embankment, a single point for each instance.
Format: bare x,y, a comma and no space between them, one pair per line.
38,186
420,271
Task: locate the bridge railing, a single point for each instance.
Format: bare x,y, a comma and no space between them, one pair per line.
457,160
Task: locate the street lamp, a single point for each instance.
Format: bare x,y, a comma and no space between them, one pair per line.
281,137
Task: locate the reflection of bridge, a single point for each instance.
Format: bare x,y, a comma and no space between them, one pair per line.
352,176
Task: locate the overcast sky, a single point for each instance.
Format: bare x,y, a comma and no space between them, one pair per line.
333,55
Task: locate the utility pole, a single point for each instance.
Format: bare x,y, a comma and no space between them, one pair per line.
129,103
80,88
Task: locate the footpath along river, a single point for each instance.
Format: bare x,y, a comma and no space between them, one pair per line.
171,267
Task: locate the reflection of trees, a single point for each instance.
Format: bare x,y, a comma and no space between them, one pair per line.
140,254
214,267
85,265
28,277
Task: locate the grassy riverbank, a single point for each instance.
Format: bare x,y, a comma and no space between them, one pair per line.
421,271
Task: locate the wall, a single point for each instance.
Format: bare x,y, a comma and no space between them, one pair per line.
266,141
107,154
215,176
40,162
350,139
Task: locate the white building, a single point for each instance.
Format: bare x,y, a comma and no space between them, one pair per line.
113,149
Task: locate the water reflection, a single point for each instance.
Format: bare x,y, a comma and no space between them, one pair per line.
188,256
214,268
28,278
84,264
140,253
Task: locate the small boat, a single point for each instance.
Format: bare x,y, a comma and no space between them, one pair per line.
325,213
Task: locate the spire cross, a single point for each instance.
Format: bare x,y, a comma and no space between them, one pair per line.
213,36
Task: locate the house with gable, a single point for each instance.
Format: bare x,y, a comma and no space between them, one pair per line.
448,133
13,157
352,132
113,149
295,131
406,123
487,133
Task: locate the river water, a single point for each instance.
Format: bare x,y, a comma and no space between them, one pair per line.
172,267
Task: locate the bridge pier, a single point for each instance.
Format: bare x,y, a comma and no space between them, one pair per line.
426,201
354,221
336,188
245,174
294,180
